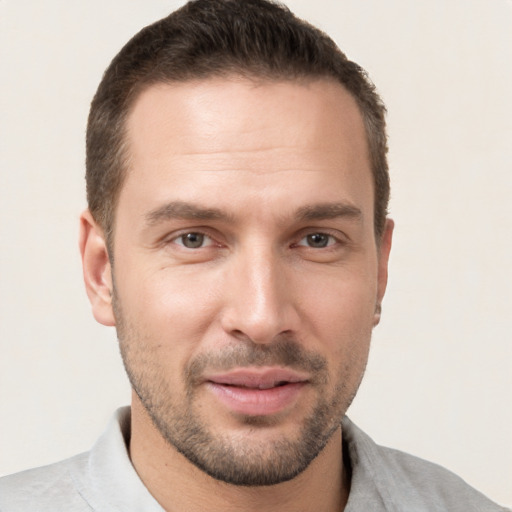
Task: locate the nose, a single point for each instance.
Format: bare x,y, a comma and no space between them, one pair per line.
259,302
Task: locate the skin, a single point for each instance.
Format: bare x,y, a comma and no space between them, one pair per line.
284,166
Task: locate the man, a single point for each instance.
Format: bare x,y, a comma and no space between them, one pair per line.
237,239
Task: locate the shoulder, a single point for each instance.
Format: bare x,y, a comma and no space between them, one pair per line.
405,482
434,484
45,489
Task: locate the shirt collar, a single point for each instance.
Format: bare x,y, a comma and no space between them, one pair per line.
110,482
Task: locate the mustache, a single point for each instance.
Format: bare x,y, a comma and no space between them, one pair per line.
284,352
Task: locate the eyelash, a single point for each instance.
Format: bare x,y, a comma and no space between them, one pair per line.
199,233
330,242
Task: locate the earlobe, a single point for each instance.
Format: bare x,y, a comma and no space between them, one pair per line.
383,251
96,269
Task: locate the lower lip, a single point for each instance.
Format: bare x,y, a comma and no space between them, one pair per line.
257,402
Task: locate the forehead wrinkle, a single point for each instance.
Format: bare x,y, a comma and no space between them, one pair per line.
266,148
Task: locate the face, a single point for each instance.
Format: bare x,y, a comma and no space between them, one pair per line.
247,275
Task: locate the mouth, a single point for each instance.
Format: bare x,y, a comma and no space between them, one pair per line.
257,391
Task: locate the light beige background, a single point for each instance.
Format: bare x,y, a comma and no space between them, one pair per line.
439,381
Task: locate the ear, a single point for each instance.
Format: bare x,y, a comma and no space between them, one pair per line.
96,269
382,272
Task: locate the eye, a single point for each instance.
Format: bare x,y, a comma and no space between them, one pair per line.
193,240
317,240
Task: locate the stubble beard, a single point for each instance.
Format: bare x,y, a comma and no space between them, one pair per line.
235,461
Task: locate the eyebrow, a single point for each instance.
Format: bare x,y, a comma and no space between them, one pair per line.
328,211
184,211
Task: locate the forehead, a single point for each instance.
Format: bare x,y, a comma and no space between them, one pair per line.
239,115
248,137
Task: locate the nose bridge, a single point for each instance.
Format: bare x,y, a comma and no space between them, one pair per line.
259,306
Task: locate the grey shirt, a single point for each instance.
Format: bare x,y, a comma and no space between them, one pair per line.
104,479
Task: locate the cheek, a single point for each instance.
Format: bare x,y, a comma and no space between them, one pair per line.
341,303
161,325
340,319
171,306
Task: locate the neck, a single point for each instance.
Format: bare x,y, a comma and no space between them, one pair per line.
179,486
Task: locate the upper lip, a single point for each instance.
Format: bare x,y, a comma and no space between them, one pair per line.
257,378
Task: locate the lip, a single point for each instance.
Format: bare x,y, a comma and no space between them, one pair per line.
257,391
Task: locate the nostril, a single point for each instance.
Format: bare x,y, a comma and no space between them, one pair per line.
240,335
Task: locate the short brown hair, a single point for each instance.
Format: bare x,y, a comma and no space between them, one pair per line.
206,38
